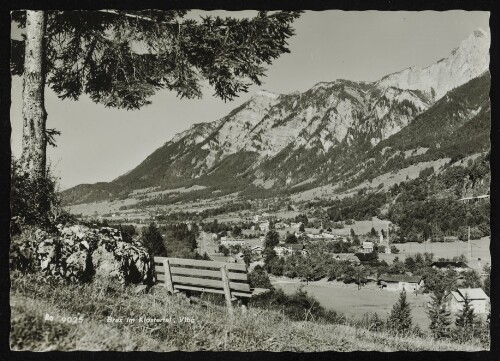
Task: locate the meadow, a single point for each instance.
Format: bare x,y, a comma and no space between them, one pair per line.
480,249
191,327
354,303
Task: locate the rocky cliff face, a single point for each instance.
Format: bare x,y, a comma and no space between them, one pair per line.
466,62
280,140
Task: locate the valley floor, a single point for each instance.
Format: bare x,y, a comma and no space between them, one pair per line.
354,303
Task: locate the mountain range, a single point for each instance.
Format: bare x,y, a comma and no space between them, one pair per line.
339,133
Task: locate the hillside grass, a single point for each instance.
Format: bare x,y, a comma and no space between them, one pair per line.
213,328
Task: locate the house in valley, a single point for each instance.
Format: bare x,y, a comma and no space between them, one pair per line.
400,282
294,247
264,227
257,249
280,250
479,301
444,265
367,247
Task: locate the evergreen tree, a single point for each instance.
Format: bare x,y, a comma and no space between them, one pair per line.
376,323
247,256
153,241
439,315
487,280
122,58
465,321
399,320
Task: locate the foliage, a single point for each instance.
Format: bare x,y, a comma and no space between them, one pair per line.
153,241
301,218
440,282
439,315
180,241
465,321
394,249
177,54
33,201
357,207
224,250
264,327
291,238
258,278
236,232
471,279
272,239
128,231
367,257
299,306
487,280
399,320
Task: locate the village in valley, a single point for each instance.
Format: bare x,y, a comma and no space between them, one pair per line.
252,175
354,267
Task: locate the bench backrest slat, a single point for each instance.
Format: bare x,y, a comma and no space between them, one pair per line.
207,273
209,283
200,273
213,290
200,263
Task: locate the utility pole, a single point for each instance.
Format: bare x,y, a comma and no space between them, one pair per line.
468,243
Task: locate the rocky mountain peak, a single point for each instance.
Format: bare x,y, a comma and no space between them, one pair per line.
469,60
284,138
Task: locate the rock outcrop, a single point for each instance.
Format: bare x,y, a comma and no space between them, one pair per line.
79,253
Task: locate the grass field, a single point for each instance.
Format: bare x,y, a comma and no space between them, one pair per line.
353,303
480,249
190,327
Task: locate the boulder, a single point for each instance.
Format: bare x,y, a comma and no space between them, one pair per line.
79,252
105,263
77,266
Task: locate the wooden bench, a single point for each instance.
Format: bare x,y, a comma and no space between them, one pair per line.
229,279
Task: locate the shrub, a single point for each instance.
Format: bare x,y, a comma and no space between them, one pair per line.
33,201
258,278
394,249
298,306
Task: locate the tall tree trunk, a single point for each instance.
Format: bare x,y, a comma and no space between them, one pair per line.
34,142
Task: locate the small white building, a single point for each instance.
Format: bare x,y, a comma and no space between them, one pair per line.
400,282
479,301
257,249
234,242
264,227
329,235
367,247
280,250
281,225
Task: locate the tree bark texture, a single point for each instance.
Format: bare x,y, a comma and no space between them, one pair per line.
34,140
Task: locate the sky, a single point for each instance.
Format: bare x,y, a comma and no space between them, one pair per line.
98,144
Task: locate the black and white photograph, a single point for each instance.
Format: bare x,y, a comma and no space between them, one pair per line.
219,180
